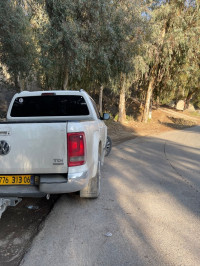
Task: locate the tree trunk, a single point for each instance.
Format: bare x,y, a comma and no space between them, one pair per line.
21,82
148,99
187,100
157,102
122,100
154,73
16,81
66,80
101,100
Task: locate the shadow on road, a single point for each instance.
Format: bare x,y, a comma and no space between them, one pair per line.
149,203
156,185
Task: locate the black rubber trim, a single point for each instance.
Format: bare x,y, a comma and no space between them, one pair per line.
21,191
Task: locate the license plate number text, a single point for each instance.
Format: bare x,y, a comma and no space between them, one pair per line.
15,180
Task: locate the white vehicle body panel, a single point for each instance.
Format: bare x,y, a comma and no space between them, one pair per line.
38,143
34,147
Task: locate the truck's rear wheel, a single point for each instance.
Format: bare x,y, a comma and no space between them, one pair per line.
92,190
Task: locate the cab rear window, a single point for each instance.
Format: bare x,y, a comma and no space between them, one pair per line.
51,105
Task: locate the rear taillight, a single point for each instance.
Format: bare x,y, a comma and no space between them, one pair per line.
76,148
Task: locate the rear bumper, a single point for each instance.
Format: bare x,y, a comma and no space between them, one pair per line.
21,192
49,184
58,184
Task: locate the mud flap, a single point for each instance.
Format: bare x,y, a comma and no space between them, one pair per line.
92,190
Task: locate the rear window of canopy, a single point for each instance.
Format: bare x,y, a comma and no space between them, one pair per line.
49,105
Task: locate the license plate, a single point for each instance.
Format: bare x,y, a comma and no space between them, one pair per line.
16,180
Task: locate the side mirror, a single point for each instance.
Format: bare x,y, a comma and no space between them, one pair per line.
106,116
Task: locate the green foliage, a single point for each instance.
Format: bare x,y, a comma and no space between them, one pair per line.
87,44
91,41
129,118
16,43
116,117
170,50
196,100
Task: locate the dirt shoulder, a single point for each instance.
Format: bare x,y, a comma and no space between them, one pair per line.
163,119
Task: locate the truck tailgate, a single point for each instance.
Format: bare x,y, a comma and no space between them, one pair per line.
35,148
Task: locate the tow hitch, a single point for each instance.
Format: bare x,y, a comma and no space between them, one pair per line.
5,202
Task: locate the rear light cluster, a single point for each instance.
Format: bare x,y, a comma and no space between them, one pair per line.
76,148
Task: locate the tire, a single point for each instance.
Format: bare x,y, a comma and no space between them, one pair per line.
108,146
92,190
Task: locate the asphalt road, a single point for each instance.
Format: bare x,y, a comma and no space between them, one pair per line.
148,212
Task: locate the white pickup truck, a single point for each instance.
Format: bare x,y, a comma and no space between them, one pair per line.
52,142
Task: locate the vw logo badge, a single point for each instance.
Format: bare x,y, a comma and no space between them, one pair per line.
4,147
